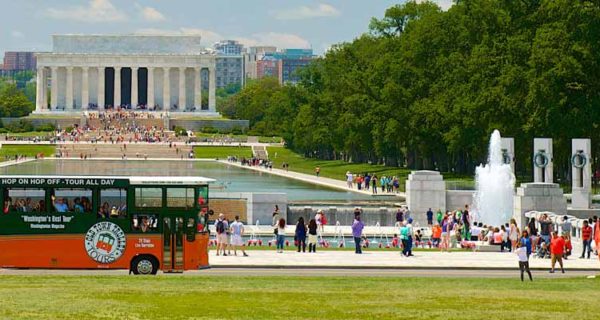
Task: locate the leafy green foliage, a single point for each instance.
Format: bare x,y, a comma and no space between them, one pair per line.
13,102
424,88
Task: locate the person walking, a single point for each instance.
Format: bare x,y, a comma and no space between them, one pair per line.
557,249
586,237
312,236
221,227
409,240
357,228
237,232
300,235
513,234
317,171
523,257
597,236
280,235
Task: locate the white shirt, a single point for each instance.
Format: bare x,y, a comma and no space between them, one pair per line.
522,254
475,231
349,177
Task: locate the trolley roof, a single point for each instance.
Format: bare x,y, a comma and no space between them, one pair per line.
170,180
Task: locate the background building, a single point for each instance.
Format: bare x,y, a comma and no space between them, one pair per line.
284,64
229,63
253,56
19,60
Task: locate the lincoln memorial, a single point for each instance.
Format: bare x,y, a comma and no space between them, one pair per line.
138,72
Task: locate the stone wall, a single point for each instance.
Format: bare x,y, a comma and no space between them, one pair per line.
230,207
538,196
197,125
61,122
424,190
456,199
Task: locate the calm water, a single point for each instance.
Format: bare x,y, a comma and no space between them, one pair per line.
231,179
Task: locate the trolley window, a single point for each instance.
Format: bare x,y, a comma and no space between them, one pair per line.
148,197
24,200
180,198
72,200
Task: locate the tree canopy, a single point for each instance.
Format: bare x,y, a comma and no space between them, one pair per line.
426,87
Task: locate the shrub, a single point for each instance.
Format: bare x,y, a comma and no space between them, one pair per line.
46,127
209,129
19,126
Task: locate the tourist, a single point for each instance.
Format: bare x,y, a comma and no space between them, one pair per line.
429,215
221,227
439,216
59,204
367,181
374,184
586,237
280,235
404,238
395,241
597,235
436,235
319,220
399,217
275,219
411,233
533,233
349,179
566,228
237,232
300,235
359,182
312,236
557,249
317,171
545,228
357,228
525,241
447,226
523,257
513,234
466,223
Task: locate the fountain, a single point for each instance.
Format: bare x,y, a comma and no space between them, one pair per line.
495,185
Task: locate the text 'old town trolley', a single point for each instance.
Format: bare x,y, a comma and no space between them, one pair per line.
143,224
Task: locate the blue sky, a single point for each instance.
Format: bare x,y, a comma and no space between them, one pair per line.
284,23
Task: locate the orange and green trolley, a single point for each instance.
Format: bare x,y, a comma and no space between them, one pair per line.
144,224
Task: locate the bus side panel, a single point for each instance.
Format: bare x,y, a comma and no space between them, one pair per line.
68,251
196,253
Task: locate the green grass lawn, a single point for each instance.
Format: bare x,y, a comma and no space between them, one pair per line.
279,297
337,169
211,152
28,150
29,134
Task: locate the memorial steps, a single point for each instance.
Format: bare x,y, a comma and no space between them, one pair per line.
131,151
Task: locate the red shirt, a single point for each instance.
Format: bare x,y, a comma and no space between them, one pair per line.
557,246
586,233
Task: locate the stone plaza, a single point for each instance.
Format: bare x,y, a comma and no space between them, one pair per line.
146,72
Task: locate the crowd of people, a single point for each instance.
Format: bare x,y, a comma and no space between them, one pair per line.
367,181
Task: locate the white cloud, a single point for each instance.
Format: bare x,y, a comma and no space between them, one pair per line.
444,4
95,11
280,40
17,34
150,14
306,12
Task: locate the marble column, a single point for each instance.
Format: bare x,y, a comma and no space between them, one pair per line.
150,91
117,99
44,89
181,89
69,91
211,90
134,87
198,89
54,89
39,86
166,90
101,75
85,88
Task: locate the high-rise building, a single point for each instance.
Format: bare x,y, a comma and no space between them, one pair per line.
229,48
253,56
19,60
284,64
230,63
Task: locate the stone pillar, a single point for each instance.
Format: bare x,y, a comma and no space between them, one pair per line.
542,160
117,99
69,94
150,88
44,89
508,151
181,89
101,75
166,90
212,88
198,89
581,172
134,87
424,190
54,88
85,88
39,89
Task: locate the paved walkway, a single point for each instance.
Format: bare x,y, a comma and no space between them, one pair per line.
389,260
322,181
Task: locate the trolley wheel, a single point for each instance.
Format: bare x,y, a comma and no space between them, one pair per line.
144,265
